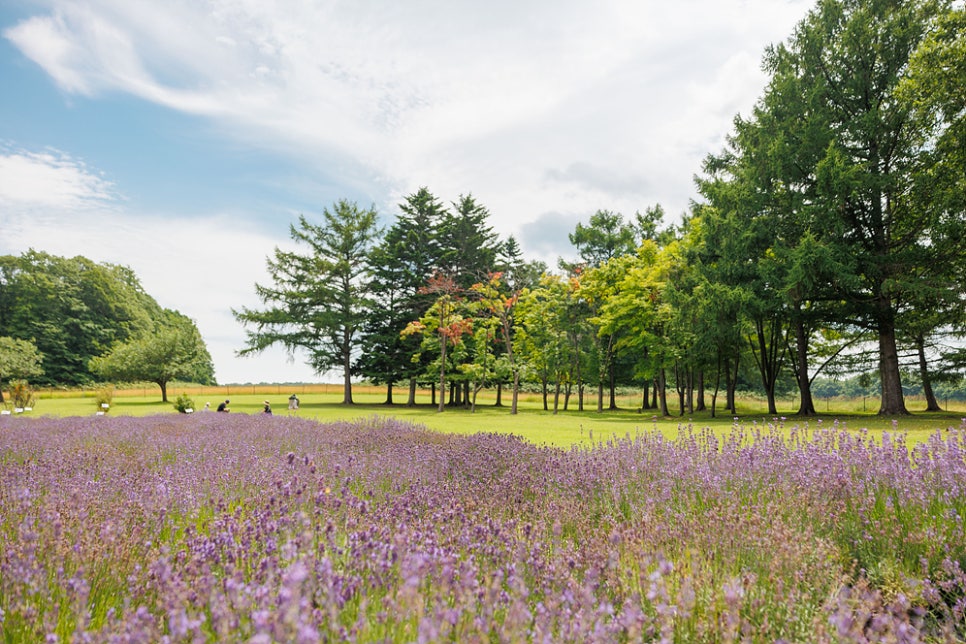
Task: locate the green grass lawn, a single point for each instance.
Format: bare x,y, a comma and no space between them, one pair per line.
564,429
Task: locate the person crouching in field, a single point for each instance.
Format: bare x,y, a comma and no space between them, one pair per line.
268,408
223,406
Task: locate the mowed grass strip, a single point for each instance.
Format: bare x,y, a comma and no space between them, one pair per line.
563,429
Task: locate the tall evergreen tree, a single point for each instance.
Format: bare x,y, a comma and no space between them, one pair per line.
468,245
851,56
827,170
386,356
413,241
319,300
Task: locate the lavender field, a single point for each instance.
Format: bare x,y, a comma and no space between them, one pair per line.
230,527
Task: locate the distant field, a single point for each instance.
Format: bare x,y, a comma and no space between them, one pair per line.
323,401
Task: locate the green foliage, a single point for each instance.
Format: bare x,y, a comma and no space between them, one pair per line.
318,301
606,236
184,404
19,360
104,396
442,328
468,245
72,311
825,202
174,351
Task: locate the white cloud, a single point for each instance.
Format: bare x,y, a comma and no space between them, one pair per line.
545,111
492,98
50,179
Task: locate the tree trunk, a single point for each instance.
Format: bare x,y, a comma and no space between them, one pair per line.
388,393
612,373
346,377
516,391
499,395
768,356
931,403
411,401
556,397
700,406
806,406
893,403
545,393
731,383
717,387
600,397
689,382
680,386
164,389
662,392
578,377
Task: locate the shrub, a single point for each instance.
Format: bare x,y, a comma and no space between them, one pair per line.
104,397
184,404
22,395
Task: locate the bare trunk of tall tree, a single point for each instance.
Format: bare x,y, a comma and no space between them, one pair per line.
931,403
662,392
731,384
893,402
768,356
612,404
411,401
700,404
516,391
442,373
806,406
346,367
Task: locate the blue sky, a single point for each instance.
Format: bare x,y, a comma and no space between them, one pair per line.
181,138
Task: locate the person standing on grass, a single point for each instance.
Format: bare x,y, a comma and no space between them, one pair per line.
223,406
293,402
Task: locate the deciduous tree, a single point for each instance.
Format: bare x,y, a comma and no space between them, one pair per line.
443,325
72,309
19,360
173,351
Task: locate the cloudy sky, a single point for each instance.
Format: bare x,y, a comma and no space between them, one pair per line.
181,137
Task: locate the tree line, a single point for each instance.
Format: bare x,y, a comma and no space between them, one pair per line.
828,238
71,321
